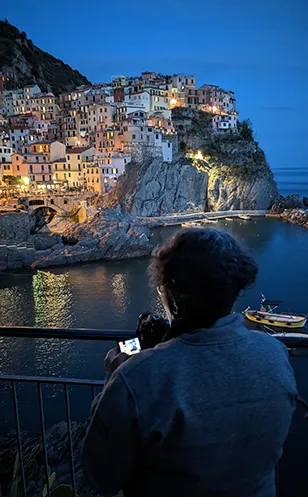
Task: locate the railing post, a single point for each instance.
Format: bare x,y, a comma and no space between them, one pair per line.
21,460
69,430
40,395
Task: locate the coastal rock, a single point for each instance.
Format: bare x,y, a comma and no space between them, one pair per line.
305,201
156,188
111,235
231,174
45,241
232,192
296,216
16,226
290,202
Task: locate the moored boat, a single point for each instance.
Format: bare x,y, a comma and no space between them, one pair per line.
245,217
228,218
209,221
267,317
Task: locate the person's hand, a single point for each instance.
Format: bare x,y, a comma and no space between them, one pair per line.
113,360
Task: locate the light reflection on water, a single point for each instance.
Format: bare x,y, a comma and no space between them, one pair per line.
52,299
112,295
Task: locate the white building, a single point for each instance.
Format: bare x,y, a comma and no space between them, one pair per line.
225,123
5,153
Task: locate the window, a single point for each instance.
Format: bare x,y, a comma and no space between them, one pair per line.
43,177
169,145
69,175
157,136
42,168
31,169
37,159
44,159
96,171
69,167
49,168
68,157
34,148
3,159
134,137
50,177
64,178
17,168
141,137
79,167
78,157
64,166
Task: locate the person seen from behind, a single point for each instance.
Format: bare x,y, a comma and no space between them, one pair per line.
206,412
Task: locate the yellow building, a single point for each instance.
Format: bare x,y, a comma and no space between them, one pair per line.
71,171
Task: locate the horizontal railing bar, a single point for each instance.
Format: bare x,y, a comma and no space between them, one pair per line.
112,335
51,379
65,333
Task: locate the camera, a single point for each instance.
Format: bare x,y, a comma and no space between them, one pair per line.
151,330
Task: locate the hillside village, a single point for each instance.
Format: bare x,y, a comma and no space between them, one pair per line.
83,139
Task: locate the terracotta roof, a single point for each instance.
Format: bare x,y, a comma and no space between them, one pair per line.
59,160
76,150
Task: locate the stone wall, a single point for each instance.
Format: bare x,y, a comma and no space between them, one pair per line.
16,226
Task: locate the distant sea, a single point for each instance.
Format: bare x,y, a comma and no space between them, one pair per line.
292,180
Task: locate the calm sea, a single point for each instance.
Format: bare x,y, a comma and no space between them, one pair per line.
111,295
292,180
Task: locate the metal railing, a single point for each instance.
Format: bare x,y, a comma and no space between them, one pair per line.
11,382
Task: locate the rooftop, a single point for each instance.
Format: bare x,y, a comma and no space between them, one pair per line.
76,150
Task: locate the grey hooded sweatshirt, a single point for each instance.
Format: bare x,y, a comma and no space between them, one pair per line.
202,415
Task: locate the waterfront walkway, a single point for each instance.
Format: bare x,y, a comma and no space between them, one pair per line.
175,219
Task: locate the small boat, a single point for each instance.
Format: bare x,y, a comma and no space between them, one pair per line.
209,221
191,224
267,317
228,218
245,217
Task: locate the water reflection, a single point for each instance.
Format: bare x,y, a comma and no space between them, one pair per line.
53,299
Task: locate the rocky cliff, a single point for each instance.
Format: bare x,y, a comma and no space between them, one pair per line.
230,176
31,65
240,177
110,235
156,188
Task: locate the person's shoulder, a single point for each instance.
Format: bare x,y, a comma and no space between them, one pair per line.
266,339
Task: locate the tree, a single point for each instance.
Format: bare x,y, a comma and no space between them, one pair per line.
11,180
245,129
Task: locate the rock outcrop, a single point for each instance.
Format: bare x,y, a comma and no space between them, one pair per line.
240,177
156,188
294,216
110,235
290,202
235,175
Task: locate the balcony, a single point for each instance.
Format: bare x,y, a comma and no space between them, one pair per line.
50,454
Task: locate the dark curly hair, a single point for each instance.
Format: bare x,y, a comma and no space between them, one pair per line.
201,272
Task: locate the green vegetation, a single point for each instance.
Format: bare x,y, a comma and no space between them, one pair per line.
37,66
11,180
60,491
245,130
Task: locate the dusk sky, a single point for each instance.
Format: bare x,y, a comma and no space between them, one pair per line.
259,49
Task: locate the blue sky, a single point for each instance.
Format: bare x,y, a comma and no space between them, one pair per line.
259,49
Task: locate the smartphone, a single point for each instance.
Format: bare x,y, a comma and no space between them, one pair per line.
130,347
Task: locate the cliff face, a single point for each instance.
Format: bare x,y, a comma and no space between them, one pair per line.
32,65
157,188
240,178
235,177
